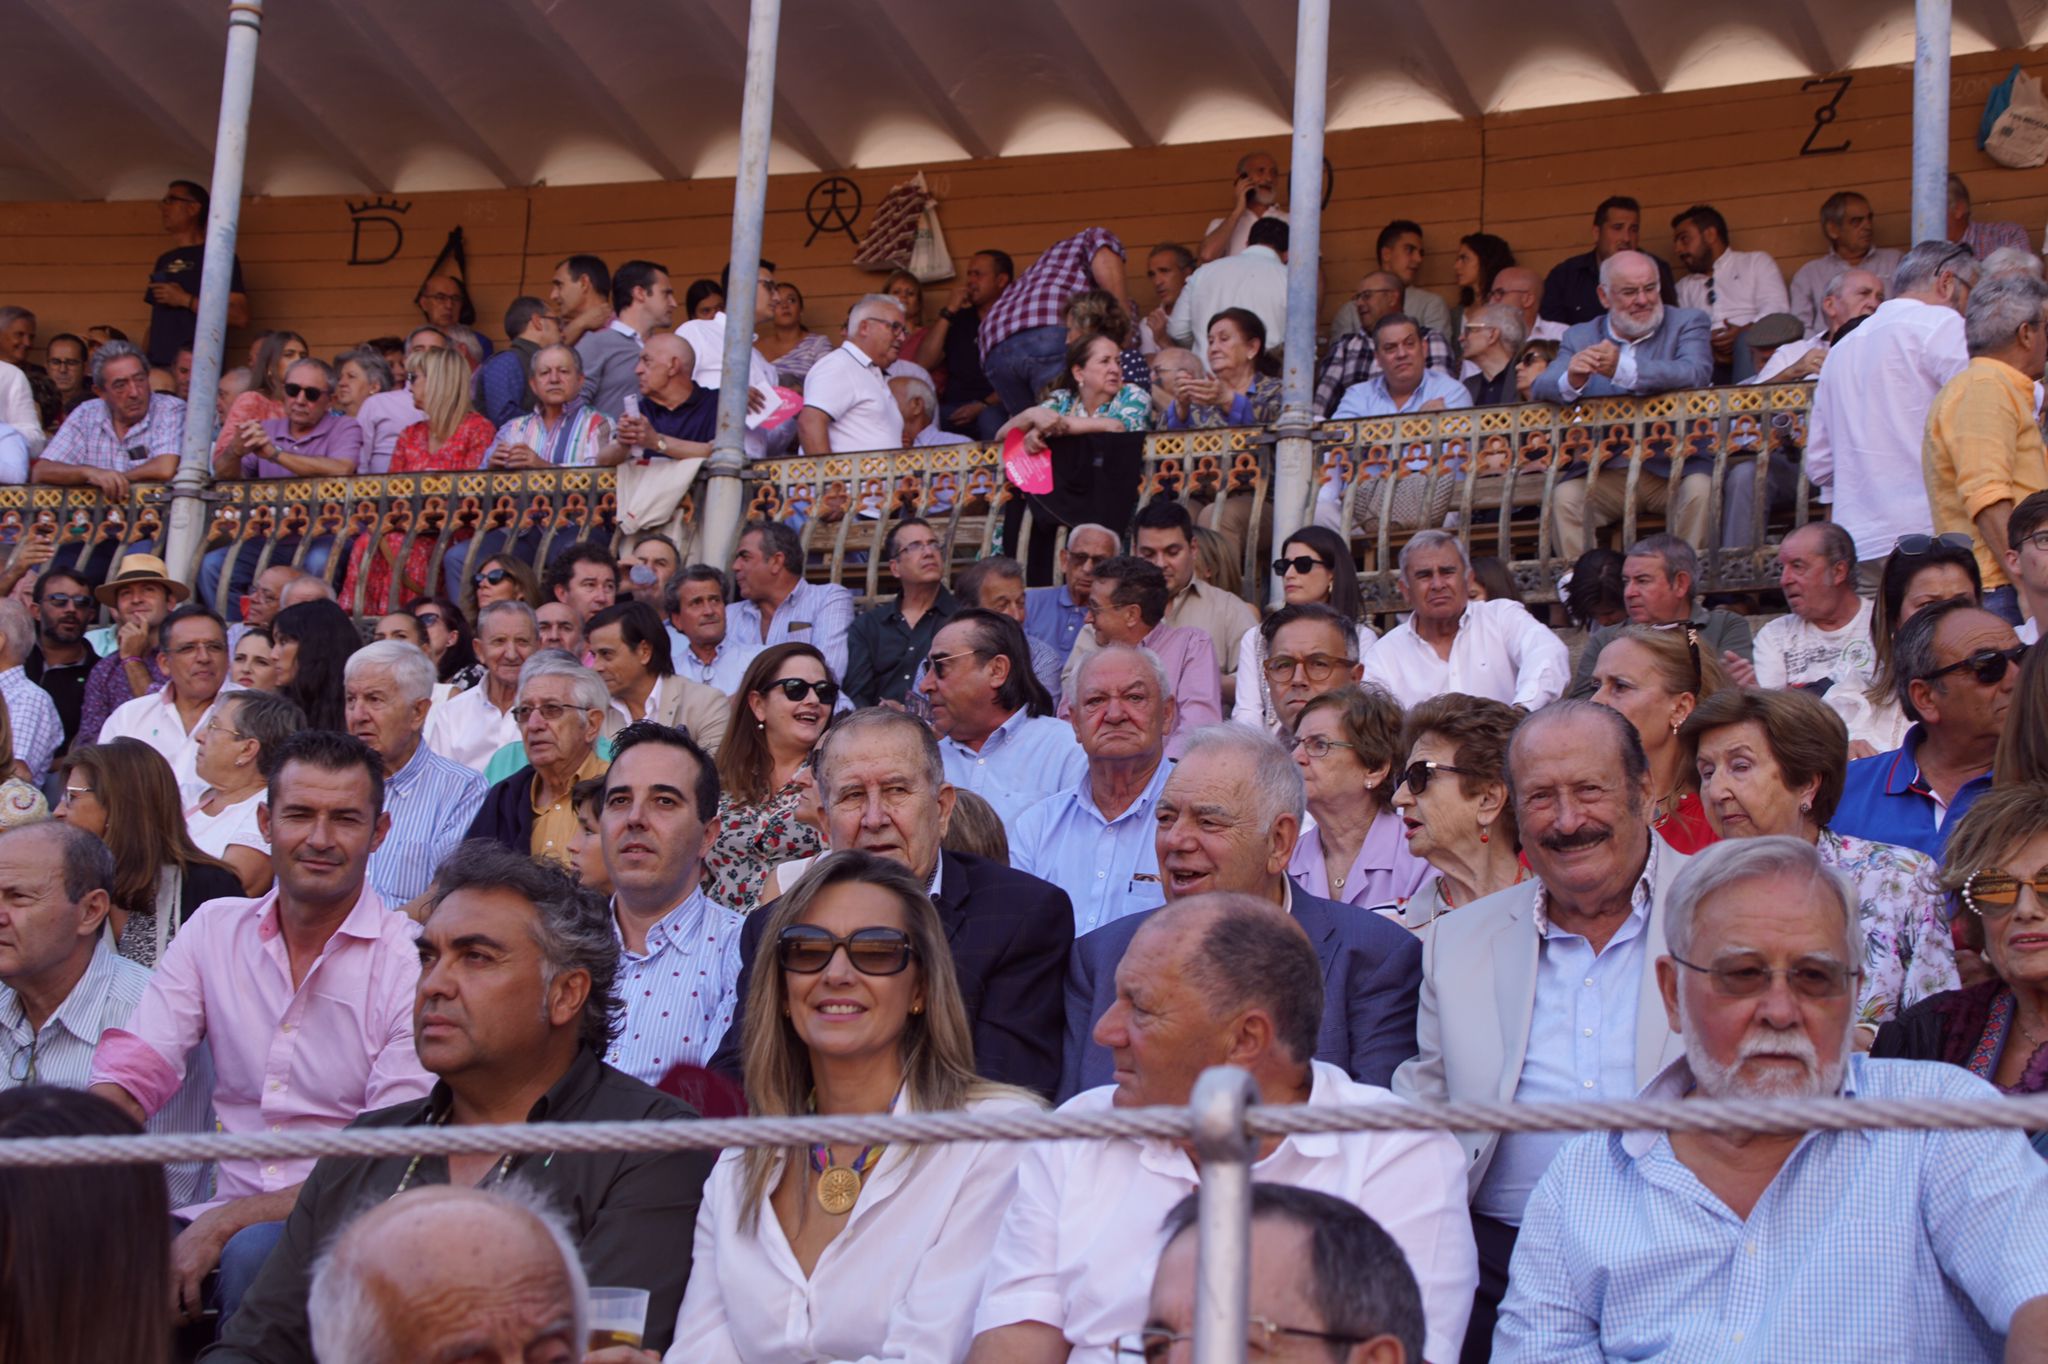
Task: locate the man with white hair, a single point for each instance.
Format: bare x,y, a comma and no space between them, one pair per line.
919,404
560,713
1852,294
675,417
1057,614
1729,1246
388,687
1254,197
1850,226
1492,342
38,729
127,433
471,726
847,402
1450,643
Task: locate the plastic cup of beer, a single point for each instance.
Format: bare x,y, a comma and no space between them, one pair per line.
618,1316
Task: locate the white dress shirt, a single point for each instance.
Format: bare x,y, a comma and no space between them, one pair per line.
1788,355
1502,653
154,719
1242,233
1746,285
849,388
1079,1241
1254,279
899,1281
468,729
18,408
1870,414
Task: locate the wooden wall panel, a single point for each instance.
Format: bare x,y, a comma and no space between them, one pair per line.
1533,177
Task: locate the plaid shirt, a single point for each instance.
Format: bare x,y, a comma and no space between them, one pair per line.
1352,361
1038,297
87,436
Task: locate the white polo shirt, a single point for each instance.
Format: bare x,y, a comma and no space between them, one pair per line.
468,729
154,720
850,389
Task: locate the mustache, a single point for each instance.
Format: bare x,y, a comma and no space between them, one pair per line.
1582,838
1791,1043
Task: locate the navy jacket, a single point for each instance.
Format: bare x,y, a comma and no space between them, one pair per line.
1372,985
506,816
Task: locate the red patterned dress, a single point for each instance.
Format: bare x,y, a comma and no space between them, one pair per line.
463,450
752,840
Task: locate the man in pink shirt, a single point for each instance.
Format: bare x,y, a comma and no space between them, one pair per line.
304,997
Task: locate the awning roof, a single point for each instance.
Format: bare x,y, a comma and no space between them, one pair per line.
110,98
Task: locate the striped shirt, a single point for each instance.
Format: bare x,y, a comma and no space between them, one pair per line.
679,993
817,614
431,801
576,440
38,729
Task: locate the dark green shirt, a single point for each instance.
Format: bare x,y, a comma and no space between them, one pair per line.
1722,632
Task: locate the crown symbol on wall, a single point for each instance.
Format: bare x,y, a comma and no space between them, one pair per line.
378,204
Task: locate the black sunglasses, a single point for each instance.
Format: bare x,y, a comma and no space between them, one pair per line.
1987,665
807,949
492,576
312,393
795,688
1416,775
1303,564
1913,546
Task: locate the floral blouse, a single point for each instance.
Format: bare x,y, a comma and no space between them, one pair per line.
1131,406
1259,407
752,840
1908,953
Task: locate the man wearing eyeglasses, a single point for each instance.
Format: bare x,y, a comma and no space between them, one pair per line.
887,643
193,648
1059,613
62,660
847,402
2026,561
173,292
1705,1245
1956,666
560,714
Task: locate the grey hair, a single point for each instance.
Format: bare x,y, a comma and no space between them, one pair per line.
13,313
867,308
882,718
108,353
345,1316
465,340
1610,266
2012,260
1926,263
586,688
519,608
1150,659
1508,322
267,718
575,360
1100,529
919,390
88,864
1266,768
1838,287
1835,207
1249,957
408,664
327,373
1999,307
1431,539
1733,861
18,629
372,365
1674,553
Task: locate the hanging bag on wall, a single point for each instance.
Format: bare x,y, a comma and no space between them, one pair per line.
2014,131
892,233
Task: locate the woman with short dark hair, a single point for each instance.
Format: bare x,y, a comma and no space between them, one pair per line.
1346,743
1451,796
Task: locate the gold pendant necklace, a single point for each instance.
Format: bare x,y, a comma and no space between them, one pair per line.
839,1185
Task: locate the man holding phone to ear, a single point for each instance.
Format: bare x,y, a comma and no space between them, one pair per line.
1254,194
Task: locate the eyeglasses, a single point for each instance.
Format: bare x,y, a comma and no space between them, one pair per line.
1303,564
214,726
807,949
1986,665
2038,540
906,548
796,688
550,711
441,298
198,646
1992,894
1814,978
1317,667
312,393
1076,559
177,199
1913,546
938,662
1318,747
1262,1335
64,601
1416,775
1631,293
74,792
490,577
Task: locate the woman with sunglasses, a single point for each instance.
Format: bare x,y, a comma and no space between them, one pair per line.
1655,677
501,577
1921,570
449,644
784,704
1314,566
1346,743
275,354
1452,801
1996,878
1772,762
844,1251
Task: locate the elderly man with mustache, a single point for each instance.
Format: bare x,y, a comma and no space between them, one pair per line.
1547,991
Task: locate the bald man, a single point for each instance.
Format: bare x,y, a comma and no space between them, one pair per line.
442,300
1522,289
674,416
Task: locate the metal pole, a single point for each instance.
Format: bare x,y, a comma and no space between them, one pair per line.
723,491
1293,457
1223,1250
1930,120
230,149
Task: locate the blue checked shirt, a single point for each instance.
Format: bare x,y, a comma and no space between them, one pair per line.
38,729
1108,868
1051,614
817,614
1870,1245
431,802
679,993
1025,760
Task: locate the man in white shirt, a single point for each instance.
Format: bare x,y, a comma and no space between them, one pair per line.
1824,640
847,402
1450,643
918,401
193,649
706,337
1733,288
699,644
1863,438
1254,279
1214,979
1254,197
471,726
2026,562
1850,225
1852,294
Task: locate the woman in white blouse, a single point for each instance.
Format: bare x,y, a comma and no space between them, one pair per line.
845,1252
233,745
1314,566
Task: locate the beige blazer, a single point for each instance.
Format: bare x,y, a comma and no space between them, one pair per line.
1479,997
704,711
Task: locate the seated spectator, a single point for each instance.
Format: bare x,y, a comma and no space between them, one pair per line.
193,651
912,1266
1463,828
996,583
918,402
674,417
497,1059
389,413
1490,580
1628,1232
559,427
1097,312
38,729
470,726
1403,381
1659,578
1823,639
1491,341
61,659
1359,1294
97,445
141,593
402,627
1522,289
1314,566
1245,987
1937,568
585,579
309,438
450,644
629,648
314,640
502,386
703,300
321,952
888,642
1057,614
1530,365
586,849
1477,266
444,302
20,803
501,577
1771,763
236,749
1353,356
776,605
1346,743
699,644
1983,450
781,710
560,629
1572,290
1733,288
786,343
1981,238
359,375
998,734
1654,678
1165,538
1241,387
1171,368
1022,342
651,560
1254,197
17,334
1168,268
253,665
64,360
1850,226
1096,398
1954,666
270,362
1310,650
1450,643
2026,562
1253,280
560,713
1849,297
660,811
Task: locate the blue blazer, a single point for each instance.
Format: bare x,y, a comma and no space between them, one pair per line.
1372,982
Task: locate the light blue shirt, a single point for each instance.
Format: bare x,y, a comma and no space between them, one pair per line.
726,668
1025,760
817,614
1582,1041
1051,615
1108,868
431,801
1867,1245
1371,399
679,993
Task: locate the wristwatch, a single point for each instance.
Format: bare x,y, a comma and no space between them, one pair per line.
661,445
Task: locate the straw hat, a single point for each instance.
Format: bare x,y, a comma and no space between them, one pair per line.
141,568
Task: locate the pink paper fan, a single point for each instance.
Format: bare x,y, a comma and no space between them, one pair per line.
1032,473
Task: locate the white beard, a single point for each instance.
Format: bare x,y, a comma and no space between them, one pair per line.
1629,330
1717,1081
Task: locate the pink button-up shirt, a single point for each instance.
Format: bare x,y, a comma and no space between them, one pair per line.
285,1059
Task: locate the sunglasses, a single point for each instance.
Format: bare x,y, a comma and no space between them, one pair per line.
1415,776
807,949
1913,546
427,617
1303,564
489,577
312,393
1987,665
796,688
1812,979
1991,893
64,601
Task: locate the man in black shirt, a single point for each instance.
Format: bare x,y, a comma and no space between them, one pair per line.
970,405
62,659
173,293
677,416
1571,292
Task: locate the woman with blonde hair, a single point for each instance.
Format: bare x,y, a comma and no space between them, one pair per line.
844,1251
1655,675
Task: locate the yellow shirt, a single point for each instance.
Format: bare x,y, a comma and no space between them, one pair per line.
554,825
1983,447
